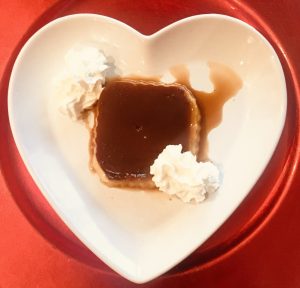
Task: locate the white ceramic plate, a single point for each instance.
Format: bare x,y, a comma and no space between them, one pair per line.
141,235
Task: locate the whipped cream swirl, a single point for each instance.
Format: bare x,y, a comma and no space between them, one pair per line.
82,81
179,174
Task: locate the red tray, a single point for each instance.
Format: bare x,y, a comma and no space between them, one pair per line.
147,17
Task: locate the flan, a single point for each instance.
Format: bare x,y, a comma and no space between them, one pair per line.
134,121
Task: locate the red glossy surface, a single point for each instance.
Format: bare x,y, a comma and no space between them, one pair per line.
247,251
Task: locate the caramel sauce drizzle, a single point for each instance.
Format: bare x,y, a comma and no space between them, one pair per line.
226,84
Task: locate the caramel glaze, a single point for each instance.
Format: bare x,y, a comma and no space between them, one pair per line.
226,84
136,121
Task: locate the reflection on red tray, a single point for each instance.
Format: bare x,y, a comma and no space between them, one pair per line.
148,18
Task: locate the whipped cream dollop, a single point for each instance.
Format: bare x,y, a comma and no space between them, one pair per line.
177,173
81,84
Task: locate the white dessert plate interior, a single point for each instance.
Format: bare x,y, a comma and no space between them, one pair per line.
143,234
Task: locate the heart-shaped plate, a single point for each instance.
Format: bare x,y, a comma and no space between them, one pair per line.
143,234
